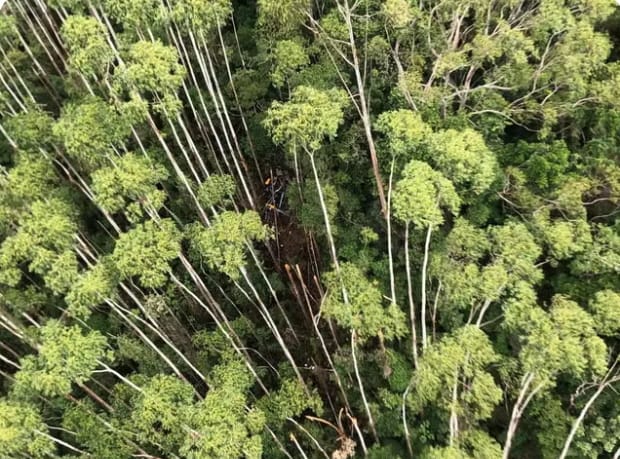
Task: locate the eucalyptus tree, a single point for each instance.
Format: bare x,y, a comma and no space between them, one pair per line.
419,198
302,124
136,295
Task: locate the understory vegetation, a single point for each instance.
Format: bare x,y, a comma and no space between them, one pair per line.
314,229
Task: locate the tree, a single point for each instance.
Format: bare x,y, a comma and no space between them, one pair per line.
153,68
22,431
458,362
146,250
363,311
65,356
223,244
224,427
130,185
44,239
85,38
463,158
418,198
89,130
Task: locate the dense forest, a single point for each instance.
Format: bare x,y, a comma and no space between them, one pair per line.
310,229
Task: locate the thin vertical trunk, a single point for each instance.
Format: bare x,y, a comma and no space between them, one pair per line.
423,286
363,105
412,315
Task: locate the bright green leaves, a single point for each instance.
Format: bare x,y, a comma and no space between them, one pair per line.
605,308
364,311
562,340
222,428
223,244
130,185
481,267
66,355
44,239
289,401
216,190
420,195
137,15
8,28
602,256
31,179
290,56
89,52
146,250
404,130
201,15
91,288
514,247
564,238
30,130
95,434
161,410
583,350
22,432
305,120
166,414
89,129
464,158
399,13
453,375
153,68
281,18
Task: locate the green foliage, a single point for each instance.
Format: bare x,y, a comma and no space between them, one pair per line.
362,311
89,51
216,190
307,118
495,126
91,288
22,431
137,15
290,56
89,129
98,436
153,68
420,195
399,13
463,157
308,205
200,15
44,239
289,401
461,359
146,250
30,130
281,18
160,410
65,356
224,429
223,244
605,308
561,340
130,185
405,131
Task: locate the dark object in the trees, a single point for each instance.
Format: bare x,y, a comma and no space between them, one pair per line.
275,191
